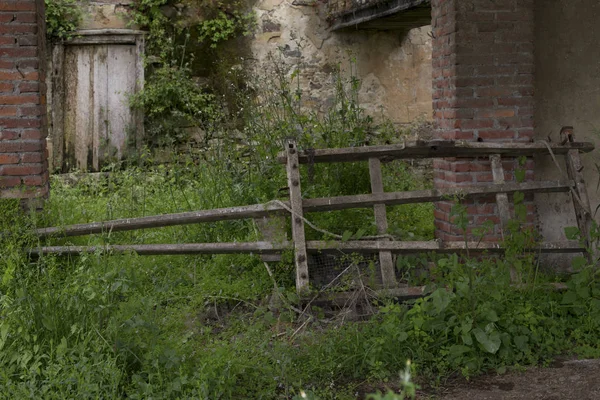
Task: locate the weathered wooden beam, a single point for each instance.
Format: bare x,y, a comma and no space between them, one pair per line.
311,247
308,205
435,149
423,196
169,249
579,195
431,246
377,10
193,217
501,198
386,262
297,216
345,299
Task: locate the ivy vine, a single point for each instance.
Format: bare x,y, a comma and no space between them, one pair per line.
62,18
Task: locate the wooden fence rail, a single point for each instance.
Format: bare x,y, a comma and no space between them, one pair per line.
297,206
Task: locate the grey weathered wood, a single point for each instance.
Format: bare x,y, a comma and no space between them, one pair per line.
108,31
501,198
581,201
386,262
309,205
56,112
105,39
423,196
344,299
297,217
138,114
311,246
433,246
362,12
169,249
193,217
435,149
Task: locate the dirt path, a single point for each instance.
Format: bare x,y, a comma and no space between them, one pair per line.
565,380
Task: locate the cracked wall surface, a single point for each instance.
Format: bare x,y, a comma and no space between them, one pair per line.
394,67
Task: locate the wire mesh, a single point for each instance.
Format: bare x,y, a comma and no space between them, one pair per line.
344,270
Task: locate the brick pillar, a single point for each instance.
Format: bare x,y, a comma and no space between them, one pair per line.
23,159
483,66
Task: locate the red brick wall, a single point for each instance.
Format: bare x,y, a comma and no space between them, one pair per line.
483,66
23,159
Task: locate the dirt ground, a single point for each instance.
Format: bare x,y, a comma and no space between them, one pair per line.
563,380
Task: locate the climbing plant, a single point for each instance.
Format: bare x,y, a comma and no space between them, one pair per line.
62,18
173,100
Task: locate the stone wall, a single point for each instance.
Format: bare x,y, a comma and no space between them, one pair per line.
394,67
23,165
567,93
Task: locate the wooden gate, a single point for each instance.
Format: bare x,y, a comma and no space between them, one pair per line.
378,200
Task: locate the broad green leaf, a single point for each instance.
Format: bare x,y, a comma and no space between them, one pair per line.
491,316
572,232
491,343
521,342
467,339
579,262
457,350
346,236
359,234
569,298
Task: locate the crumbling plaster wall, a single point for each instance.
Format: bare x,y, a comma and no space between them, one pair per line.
567,91
394,67
106,14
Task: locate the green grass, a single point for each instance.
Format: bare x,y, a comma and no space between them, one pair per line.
126,326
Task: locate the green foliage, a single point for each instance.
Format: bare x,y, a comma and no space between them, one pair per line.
173,102
62,18
226,26
125,326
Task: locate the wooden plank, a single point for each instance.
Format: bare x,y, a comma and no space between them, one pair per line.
311,246
169,249
431,246
193,217
579,195
104,39
309,205
138,114
501,198
344,299
435,149
423,196
386,262
57,111
297,216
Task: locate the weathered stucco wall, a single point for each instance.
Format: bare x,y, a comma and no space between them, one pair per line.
567,93
106,14
394,67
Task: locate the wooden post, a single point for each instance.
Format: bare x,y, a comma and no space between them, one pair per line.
298,236
56,93
138,115
388,273
501,198
581,201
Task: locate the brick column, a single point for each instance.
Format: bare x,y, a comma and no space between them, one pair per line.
23,159
483,68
